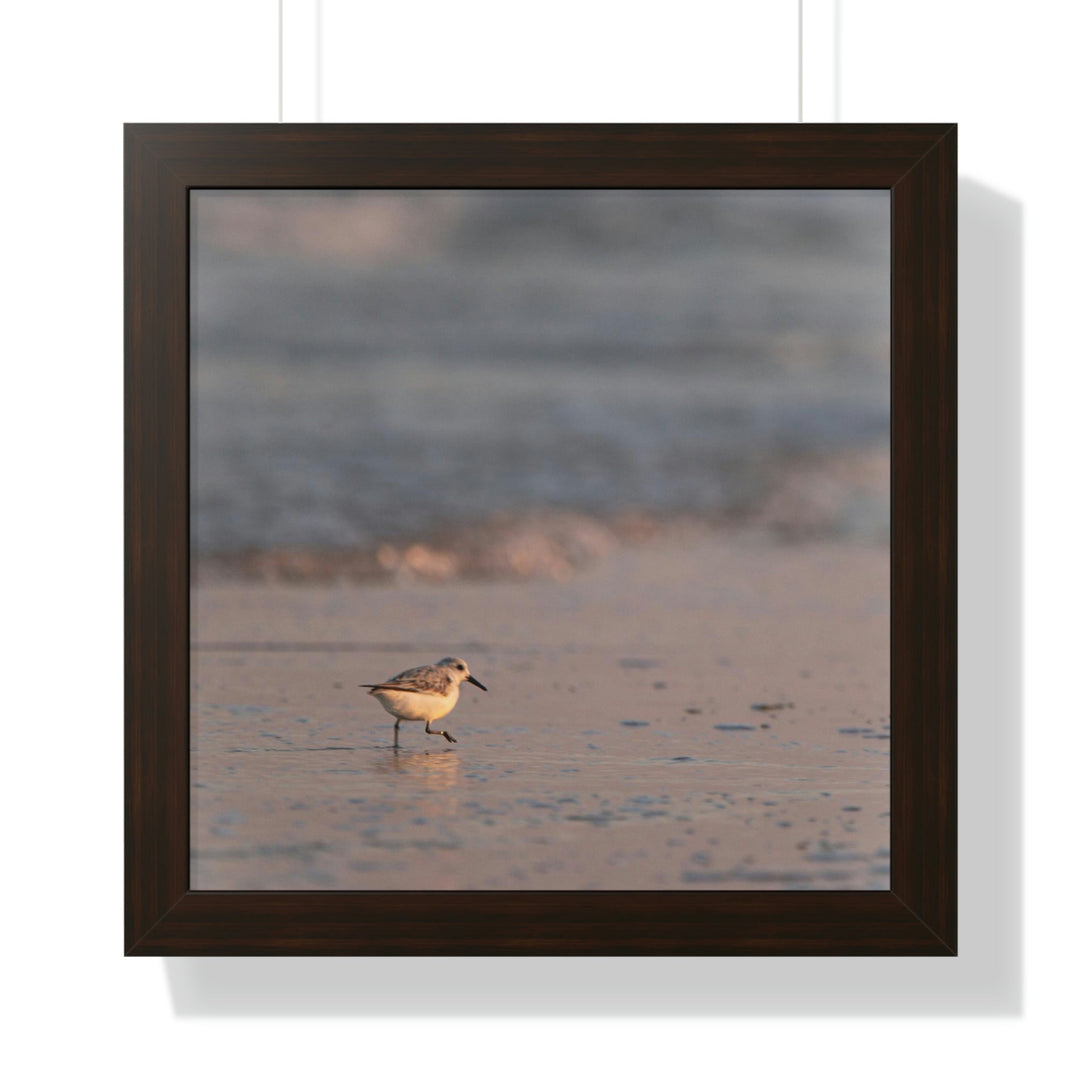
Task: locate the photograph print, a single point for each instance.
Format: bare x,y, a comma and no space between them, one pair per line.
540,539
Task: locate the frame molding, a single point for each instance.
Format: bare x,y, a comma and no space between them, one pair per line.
917,163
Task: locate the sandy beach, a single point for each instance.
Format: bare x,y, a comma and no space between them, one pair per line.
627,453
710,712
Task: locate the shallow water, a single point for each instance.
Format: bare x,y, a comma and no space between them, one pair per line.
609,753
672,804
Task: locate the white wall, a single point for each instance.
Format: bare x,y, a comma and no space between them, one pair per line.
73,73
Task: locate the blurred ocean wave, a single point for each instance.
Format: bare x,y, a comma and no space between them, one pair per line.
375,370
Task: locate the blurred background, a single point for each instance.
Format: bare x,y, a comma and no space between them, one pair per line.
485,384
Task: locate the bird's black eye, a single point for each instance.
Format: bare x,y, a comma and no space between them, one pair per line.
461,667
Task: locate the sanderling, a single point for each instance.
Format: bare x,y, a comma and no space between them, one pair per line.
425,693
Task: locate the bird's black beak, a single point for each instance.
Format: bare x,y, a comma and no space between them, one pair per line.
475,682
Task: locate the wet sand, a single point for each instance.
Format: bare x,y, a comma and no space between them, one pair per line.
709,714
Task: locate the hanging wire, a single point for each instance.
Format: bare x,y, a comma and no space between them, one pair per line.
318,62
280,61
800,62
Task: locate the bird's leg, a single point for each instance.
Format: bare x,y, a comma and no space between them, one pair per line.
445,734
396,722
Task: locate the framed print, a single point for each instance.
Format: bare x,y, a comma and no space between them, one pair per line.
540,540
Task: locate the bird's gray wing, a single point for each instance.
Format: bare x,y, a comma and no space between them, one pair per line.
426,679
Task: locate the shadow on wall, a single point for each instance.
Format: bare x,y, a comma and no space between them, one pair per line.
986,977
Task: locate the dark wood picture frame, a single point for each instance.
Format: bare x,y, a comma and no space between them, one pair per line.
917,915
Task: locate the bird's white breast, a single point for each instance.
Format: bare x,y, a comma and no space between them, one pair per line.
412,706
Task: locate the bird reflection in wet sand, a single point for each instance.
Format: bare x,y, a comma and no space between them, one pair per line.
437,770
424,694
